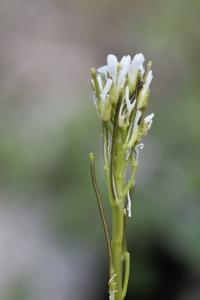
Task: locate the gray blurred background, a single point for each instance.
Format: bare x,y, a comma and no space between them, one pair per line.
51,241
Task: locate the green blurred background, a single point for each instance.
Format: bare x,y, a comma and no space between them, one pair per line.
51,241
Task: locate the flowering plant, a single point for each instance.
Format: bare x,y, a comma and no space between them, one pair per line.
121,93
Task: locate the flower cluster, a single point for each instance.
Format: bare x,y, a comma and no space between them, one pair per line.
121,93
121,90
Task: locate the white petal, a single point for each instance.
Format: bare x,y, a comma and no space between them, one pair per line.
124,65
125,61
127,93
121,80
131,139
149,124
100,82
103,70
137,118
122,116
129,105
112,60
149,118
112,66
137,63
148,79
106,89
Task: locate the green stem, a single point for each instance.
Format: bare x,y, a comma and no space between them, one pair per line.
116,244
115,164
118,172
114,152
107,162
100,205
126,273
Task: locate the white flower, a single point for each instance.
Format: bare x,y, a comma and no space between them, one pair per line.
103,70
148,81
119,79
105,90
144,92
122,116
137,118
112,63
124,67
130,106
116,70
100,93
100,82
125,109
136,66
130,142
149,120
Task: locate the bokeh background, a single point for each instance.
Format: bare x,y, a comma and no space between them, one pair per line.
51,241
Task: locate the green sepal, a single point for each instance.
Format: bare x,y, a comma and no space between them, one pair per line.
143,100
95,86
105,110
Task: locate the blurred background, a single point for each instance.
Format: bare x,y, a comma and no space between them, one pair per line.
51,241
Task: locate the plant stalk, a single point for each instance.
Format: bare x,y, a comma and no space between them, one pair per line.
116,287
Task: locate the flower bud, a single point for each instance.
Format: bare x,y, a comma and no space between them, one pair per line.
144,93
